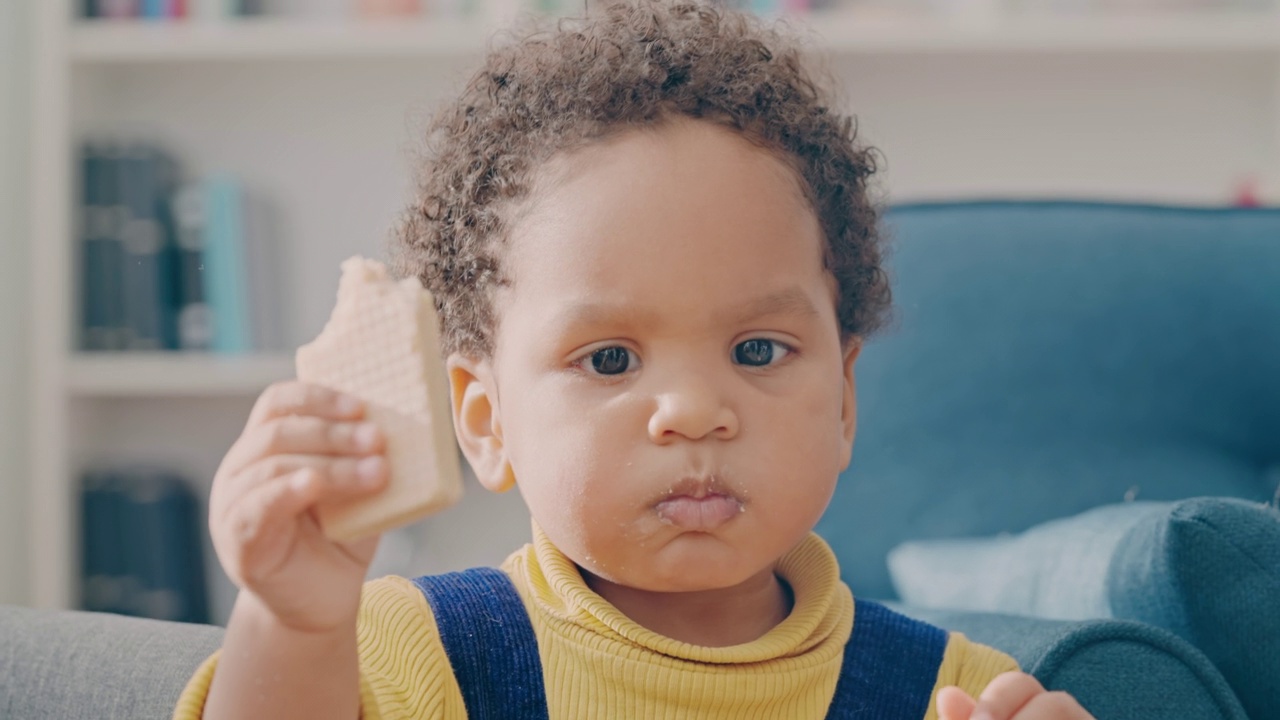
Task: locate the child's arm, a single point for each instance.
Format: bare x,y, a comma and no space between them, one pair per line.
268,669
1010,696
290,646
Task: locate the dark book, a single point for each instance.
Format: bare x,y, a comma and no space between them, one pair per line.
194,316
97,268
103,564
147,250
163,549
102,306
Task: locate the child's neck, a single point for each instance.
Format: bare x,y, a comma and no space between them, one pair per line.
709,618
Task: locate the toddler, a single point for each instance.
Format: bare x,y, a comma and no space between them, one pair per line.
655,261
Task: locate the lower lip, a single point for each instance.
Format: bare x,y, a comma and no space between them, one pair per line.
698,514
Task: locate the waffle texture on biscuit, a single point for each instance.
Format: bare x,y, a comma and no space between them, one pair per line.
381,344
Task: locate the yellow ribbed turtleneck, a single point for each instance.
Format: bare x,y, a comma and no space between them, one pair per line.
598,663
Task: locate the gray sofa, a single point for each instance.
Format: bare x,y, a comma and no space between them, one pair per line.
65,665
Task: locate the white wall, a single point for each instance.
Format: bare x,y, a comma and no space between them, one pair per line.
14,110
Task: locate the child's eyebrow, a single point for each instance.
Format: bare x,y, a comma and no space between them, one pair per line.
791,301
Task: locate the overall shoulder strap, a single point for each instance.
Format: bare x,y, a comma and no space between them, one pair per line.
890,666
490,643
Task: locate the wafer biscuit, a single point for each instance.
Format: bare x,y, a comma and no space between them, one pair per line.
381,344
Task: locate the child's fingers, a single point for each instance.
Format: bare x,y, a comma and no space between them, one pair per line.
367,472
1005,696
257,528
302,434
954,704
1057,705
294,397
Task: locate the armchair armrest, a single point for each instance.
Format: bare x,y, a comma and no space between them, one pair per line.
1116,669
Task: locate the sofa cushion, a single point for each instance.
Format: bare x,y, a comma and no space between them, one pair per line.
1116,669
56,665
1206,569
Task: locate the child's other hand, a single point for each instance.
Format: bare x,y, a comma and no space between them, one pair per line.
1010,696
303,444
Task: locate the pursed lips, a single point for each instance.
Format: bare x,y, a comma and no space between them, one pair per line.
699,504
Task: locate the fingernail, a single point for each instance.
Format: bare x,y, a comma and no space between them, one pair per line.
369,469
366,436
981,715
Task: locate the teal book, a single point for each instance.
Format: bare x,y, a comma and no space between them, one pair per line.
226,274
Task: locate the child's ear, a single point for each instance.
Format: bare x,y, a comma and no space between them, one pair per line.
849,402
477,421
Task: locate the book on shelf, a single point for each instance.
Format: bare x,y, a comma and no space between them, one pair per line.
102,317
142,552
145,180
226,9
168,9
167,264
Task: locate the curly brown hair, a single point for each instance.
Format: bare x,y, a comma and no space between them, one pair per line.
631,63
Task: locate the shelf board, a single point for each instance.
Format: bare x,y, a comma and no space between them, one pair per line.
174,374
271,38
841,32
1032,33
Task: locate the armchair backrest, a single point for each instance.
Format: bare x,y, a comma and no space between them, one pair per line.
1049,357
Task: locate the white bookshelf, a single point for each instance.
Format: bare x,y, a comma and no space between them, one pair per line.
180,375
842,33
317,116
272,38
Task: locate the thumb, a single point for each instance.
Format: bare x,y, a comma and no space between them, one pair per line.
954,704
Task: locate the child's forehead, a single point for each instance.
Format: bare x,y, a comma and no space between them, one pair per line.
664,152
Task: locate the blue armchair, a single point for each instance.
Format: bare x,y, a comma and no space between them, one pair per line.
1052,358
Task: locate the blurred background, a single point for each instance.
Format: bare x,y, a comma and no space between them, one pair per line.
180,179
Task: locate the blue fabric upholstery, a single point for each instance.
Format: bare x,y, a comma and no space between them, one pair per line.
1206,569
1118,670
1050,357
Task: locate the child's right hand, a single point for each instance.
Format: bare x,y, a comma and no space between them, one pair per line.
303,444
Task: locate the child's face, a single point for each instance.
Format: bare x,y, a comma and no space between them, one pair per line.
668,386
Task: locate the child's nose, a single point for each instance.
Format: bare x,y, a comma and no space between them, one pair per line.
693,410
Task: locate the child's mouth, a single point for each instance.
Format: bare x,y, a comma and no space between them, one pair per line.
698,504
700,514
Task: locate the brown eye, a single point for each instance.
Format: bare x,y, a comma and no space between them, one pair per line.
759,352
611,360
